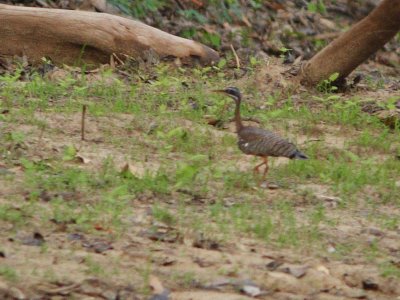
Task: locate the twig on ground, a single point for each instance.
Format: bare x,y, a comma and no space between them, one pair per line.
84,107
236,57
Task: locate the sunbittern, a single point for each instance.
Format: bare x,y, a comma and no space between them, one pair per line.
257,141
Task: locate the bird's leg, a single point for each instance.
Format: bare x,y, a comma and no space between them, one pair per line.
257,168
266,168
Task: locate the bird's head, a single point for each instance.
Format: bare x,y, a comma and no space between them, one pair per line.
232,92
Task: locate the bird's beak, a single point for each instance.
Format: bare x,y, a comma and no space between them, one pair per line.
219,91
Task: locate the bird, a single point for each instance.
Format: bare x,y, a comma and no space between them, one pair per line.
257,141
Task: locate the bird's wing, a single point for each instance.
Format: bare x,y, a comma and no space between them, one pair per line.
257,141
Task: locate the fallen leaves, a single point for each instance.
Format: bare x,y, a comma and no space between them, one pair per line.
273,265
71,153
133,169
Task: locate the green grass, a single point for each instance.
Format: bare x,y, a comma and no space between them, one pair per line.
8,273
195,161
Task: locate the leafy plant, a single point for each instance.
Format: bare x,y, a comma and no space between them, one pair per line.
140,8
317,7
192,14
327,85
8,273
212,39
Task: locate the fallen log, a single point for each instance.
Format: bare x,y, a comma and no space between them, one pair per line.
69,37
355,46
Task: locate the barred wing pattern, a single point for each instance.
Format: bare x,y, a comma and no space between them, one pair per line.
260,142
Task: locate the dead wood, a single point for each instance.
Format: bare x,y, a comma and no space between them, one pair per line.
353,47
68,37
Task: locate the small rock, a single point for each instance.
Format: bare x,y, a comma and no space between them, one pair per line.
328,198
163,296
110,295
36,240
269,185
323,269
331,249
369,284
217,284
375,231
251,291
297,272
75,236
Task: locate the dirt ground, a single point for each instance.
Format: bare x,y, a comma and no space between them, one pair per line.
45,258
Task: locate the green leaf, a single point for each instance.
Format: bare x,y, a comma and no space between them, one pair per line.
177,132
312,7
17,137
185,174
69,153
199,158
284,49
333,97
221,63
334,76
253,61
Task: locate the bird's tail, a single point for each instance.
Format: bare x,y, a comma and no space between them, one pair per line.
299,155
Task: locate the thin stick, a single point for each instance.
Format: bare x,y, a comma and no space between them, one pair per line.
310,141
236,57
119,60
84,106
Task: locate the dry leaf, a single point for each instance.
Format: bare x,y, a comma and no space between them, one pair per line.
273,265
81,159
133,169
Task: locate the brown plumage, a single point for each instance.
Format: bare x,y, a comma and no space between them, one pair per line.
257,141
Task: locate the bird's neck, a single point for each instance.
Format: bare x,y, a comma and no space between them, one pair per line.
238,118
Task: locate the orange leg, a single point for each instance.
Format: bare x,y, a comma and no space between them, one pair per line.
257,168
266,168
